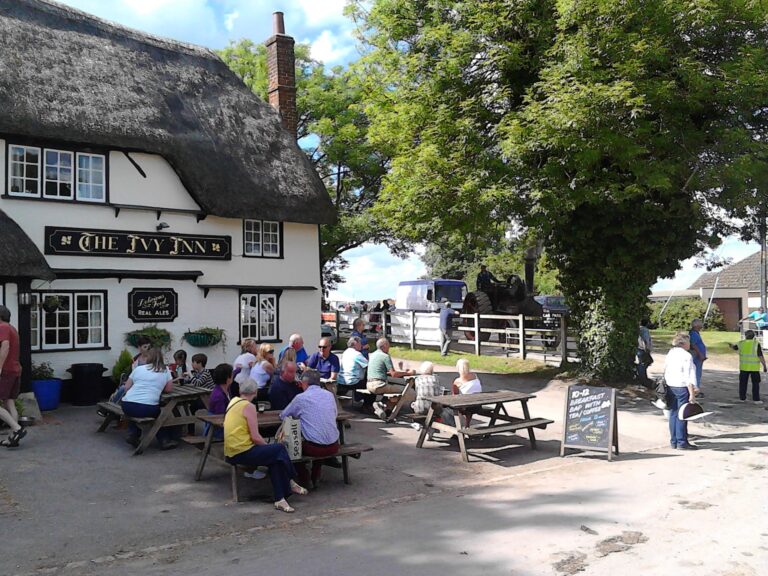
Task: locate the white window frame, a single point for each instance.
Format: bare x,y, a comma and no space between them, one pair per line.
89,327
73,170
43,329
24,163
259,329
253,236
103,198
38,316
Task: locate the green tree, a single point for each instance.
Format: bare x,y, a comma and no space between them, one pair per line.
606,128
333,122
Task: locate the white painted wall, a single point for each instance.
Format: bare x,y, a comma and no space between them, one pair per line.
299,311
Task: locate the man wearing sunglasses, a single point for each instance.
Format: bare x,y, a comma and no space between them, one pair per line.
323,361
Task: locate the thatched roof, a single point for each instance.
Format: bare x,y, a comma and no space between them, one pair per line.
19,257
742,274
69,76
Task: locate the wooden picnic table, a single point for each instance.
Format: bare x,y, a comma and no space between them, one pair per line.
176,410
267,420
489,404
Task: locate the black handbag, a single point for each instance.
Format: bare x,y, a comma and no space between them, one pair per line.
662,390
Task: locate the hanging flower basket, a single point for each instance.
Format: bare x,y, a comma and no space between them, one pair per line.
159,337
50,304
205,337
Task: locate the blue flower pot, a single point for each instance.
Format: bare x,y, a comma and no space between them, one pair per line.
47,393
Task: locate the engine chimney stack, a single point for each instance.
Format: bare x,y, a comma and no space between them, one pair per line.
281,67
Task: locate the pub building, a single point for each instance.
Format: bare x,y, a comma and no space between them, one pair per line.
142,182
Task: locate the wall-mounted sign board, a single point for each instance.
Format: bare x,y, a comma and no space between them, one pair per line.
590,420
153,305
88,242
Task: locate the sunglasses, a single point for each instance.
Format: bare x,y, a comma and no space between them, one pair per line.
323,347
270,351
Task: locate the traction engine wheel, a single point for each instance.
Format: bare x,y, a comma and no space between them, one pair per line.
478,303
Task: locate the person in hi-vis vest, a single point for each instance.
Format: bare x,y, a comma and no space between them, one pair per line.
750,359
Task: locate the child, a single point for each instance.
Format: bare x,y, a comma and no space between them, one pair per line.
179,367
201,377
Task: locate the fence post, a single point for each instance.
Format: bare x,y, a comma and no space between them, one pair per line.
563,341
338,323
384,323
413,329
477,333
521,335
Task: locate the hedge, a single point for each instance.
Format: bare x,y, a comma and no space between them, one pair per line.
680,311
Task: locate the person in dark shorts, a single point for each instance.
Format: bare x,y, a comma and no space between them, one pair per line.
10,378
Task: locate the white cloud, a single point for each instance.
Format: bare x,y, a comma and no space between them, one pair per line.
330,48
688,273
229,20
373,273
322,13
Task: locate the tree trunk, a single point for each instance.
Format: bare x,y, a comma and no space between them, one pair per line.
608,324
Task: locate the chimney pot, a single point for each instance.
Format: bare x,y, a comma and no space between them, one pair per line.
278,24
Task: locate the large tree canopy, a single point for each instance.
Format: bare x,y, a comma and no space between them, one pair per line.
620,133
333,129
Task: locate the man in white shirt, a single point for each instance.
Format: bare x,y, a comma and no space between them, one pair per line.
353,364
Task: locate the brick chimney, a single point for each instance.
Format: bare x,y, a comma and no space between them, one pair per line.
281,67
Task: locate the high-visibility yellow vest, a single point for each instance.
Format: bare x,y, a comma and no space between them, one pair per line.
748,360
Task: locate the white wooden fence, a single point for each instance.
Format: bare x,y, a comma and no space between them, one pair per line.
517,335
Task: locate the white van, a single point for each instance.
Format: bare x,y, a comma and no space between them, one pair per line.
427,295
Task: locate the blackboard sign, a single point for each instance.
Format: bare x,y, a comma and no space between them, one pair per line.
590,420
88,242
153,304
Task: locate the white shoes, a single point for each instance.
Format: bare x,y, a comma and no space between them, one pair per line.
256,474
380,410
297,489
283,506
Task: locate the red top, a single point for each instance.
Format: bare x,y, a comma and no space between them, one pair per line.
11,365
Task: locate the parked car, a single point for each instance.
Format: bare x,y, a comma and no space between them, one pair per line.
328,331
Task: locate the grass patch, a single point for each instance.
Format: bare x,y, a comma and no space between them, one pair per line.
495,364
716,342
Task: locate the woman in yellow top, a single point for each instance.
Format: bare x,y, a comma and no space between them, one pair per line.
244,445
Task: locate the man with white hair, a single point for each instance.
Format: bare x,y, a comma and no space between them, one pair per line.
353,364
380,368
698,351
295,341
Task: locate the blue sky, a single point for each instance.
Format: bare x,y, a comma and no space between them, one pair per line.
373,272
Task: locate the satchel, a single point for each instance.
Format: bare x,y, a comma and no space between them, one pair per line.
662,390
289,435
645,358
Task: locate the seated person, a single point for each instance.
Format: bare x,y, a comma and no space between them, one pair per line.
296,342
283,387
179,366
201,377
315,408
142,397
220,397
427,384
325,362
466,383
241,366
263,369
380,368
353,364
244,445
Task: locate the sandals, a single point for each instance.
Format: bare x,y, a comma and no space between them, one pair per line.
297,489
13,440
283,506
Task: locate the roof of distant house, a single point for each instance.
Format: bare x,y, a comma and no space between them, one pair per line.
68,76
742,274
19,257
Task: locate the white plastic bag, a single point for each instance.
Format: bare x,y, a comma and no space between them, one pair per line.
290,436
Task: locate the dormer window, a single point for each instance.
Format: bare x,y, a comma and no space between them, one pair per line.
262,239
55,174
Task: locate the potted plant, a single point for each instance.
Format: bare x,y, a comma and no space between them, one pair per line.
122,366
160,337
205,336
51,303
47,389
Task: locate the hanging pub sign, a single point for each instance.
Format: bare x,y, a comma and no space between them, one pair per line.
153,304
87,242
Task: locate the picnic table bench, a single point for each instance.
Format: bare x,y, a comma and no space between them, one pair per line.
175,411
269,420
490,404
408,383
